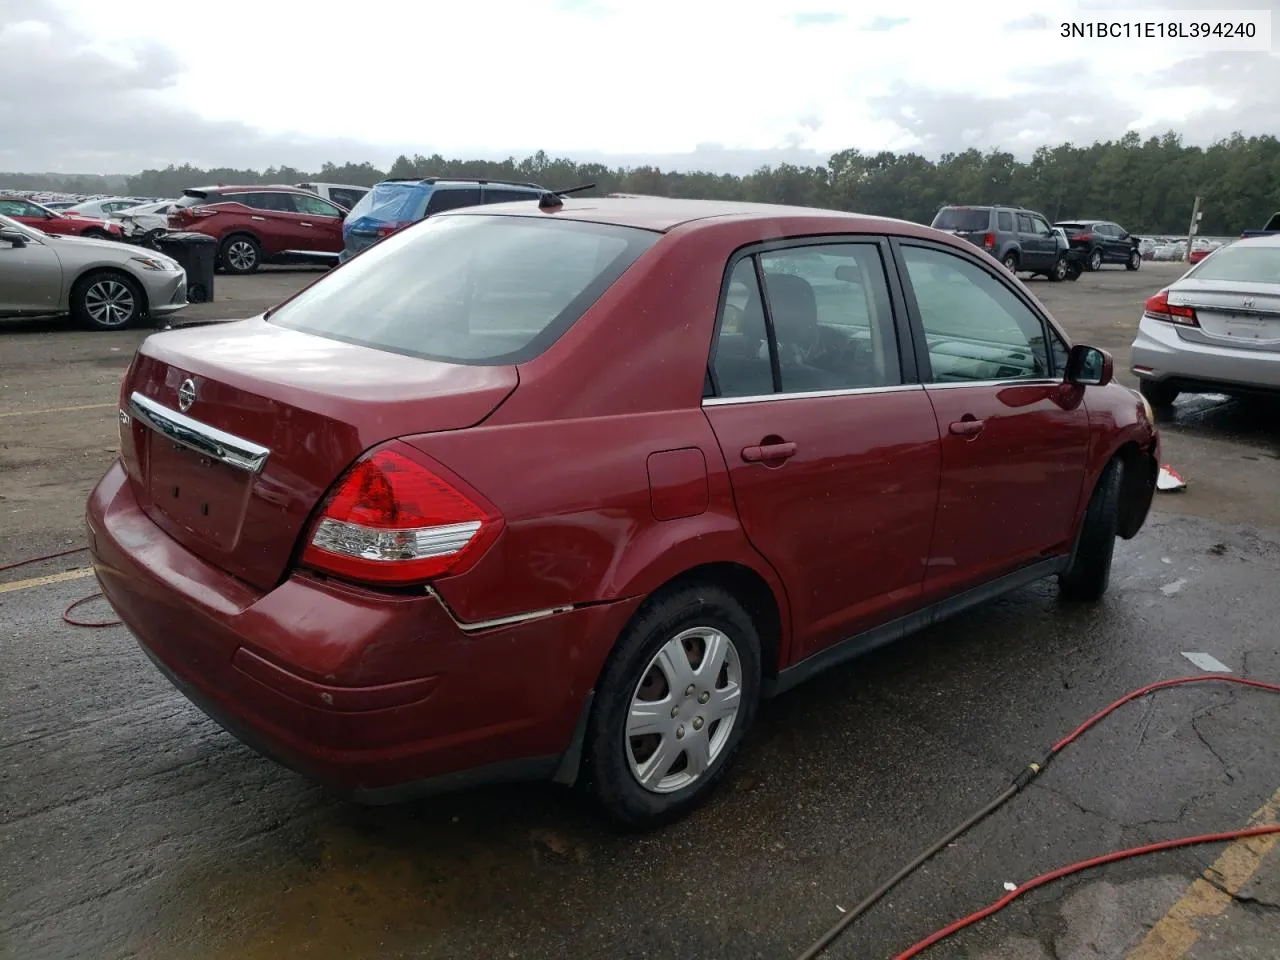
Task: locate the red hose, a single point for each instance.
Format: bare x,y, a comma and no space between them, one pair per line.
50,556
66,614
1083,865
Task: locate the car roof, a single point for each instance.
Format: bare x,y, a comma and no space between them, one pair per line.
463,182
661,214
232,188
1077,220
1270,240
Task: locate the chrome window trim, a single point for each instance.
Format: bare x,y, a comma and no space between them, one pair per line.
810,394
203,439
1007,381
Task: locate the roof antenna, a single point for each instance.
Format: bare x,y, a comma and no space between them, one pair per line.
550,201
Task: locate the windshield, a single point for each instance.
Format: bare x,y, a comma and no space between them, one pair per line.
962,218
1245,264
468,288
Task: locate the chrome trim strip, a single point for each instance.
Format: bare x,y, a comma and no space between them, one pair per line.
850,392
510,621
1009,382
203,439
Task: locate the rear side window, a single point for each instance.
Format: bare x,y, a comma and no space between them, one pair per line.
468,289
968,219
501,195
346,198
832,323
1004,220
453,199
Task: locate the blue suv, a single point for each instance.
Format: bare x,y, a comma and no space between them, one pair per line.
393,204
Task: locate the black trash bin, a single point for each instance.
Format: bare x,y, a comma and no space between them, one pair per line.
196,252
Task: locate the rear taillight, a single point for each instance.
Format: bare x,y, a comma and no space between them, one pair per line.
989,241
387,229
1082,237
392,520
1158,307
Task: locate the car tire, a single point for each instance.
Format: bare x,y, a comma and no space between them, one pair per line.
1094,262
240,254
1089,572
695,619
1010,262
1074,269
1134,261
107,300
1059,271
1158,394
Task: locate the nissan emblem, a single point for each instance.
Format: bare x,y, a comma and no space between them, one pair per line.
186,394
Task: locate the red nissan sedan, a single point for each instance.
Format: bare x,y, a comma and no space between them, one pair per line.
563,490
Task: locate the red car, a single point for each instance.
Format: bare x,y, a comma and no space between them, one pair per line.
257,225
32,214
564,489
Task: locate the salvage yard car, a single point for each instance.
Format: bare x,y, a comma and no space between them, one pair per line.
104,285
63,223
1216,329
563,489
264,224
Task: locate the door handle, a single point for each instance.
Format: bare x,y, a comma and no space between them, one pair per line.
304,224
769,451
263,219
968,427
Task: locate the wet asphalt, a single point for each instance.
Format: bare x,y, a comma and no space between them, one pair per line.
133,827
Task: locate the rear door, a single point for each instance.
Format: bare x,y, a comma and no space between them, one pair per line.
320,222
831,445
1034,252
1014,437
1046,243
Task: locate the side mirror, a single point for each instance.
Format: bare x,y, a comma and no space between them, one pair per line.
13,238
1089,367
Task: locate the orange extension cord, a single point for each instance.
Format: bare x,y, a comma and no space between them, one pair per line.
1030,773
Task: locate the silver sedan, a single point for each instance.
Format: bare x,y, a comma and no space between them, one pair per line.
1216,329
104,285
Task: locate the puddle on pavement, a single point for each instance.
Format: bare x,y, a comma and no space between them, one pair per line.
368,881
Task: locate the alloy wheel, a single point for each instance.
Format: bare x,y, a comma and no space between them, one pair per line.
683,710
110,303
241,255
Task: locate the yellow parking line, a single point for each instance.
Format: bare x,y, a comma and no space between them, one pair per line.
16,585
37,413
1174,934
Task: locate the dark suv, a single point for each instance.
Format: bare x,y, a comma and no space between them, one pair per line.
1101,241
1021,239
396,203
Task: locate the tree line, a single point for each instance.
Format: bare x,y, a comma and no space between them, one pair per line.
1148,186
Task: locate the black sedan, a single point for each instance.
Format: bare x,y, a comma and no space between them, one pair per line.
1101,241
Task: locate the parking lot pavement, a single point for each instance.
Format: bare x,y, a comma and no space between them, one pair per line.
131,826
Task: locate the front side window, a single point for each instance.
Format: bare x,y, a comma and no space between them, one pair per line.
1041,226
832,322
1024,224
975,327
314,206
468,289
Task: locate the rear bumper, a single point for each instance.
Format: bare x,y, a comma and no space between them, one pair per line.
379,696
1159,354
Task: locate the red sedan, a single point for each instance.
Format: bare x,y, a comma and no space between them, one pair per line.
32,214
563,490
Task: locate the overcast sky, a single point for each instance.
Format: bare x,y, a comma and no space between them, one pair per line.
112,86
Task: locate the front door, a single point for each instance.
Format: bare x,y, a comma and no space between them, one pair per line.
30,278
832,453
1014,437
320,222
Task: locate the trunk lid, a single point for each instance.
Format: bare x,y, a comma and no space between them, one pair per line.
1231,313
310,405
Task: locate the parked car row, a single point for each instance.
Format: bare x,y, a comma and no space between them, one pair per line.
1025,242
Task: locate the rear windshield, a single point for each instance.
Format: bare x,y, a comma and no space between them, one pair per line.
393,202
468,288
187,200
962,218
1068,225
1246,264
